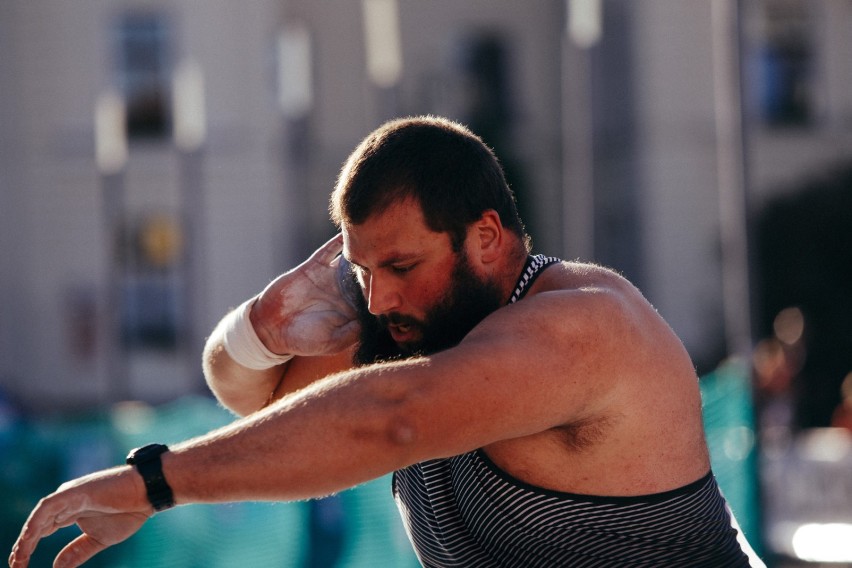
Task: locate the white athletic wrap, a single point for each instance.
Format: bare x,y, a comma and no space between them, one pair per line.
243,344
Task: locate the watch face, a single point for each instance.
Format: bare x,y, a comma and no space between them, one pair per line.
146,453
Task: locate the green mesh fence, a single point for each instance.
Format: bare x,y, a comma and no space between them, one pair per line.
731,436
357,528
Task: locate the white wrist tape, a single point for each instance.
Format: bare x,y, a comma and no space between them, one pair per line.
243,344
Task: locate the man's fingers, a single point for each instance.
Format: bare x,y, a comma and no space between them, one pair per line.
18,558
24,547
77,552
41,523
347,334
327,252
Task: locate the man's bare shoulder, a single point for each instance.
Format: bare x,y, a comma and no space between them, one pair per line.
570,303
580,276
579,290
592,309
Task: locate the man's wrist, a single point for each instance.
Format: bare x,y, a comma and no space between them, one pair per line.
243,344
147,462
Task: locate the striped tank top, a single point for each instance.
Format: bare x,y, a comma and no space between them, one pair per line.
465,511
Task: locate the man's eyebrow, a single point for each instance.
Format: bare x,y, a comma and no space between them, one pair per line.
391,259
397,258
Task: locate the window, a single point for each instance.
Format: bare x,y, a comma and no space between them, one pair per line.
785,63
151,299
142,62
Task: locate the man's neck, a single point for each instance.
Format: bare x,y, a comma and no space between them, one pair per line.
514,265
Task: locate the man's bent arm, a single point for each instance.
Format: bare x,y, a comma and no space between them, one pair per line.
239,389
301,313
243,390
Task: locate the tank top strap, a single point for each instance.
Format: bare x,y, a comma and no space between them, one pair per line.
534,266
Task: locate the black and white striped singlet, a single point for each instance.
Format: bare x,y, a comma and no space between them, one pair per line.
465,511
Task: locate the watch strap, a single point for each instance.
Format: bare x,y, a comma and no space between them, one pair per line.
149,465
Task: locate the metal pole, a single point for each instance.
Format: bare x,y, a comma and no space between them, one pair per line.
190,136
731,165
193,282
111,154
383,53
115,228
295,101
582,32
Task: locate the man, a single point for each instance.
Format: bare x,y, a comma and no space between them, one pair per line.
535,412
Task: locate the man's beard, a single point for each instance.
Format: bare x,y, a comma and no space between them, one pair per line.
468,301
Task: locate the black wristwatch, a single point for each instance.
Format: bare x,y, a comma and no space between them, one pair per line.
150,467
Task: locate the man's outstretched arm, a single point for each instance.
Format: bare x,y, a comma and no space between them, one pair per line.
362,424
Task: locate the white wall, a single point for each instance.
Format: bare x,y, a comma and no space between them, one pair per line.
52,216
56,58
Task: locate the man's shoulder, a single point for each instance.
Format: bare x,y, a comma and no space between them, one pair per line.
577,276
572,297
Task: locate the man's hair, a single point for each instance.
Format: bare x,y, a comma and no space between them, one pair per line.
446,168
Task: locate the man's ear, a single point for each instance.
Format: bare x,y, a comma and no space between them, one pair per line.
488,236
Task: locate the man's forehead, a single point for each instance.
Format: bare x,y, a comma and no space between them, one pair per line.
381,251
391,236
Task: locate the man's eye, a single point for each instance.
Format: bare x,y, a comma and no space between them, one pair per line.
401,269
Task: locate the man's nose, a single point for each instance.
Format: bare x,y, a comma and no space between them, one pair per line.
382,296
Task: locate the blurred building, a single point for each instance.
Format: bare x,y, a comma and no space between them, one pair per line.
116,261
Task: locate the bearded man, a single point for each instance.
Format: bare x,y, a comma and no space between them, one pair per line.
534,412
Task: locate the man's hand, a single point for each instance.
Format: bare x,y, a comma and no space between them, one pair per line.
303,311
106,507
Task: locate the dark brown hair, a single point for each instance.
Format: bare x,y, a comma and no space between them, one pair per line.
449,170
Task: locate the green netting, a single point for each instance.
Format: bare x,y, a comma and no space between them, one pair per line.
364,531
358,528
731,436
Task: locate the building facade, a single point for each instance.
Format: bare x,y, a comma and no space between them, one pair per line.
116,264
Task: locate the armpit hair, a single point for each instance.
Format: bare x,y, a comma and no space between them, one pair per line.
584,433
